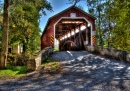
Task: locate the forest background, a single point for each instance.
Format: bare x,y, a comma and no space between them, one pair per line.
19,23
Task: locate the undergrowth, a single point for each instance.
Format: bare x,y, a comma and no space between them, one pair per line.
51,65
13,71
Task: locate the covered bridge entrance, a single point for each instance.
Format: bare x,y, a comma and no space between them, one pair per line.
71,29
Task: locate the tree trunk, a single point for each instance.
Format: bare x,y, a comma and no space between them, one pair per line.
25,45
4,51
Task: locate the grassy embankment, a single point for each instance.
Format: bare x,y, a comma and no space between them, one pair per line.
51,65
13,71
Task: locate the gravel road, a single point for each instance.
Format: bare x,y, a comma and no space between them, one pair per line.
82,71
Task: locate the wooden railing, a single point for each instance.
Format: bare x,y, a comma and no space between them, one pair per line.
111,52
35,62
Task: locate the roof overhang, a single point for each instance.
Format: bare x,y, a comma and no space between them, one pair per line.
65,26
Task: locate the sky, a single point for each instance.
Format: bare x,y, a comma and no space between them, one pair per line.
58,6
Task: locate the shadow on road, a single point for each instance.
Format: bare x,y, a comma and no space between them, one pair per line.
82,71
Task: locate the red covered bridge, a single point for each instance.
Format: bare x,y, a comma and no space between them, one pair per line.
71,29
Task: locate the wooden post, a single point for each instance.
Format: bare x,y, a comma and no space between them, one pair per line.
80,39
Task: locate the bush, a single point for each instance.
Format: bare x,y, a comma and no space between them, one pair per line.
19,60
21,69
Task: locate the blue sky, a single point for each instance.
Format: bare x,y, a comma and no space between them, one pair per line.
58,6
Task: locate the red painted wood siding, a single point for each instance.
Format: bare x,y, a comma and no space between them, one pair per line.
49,30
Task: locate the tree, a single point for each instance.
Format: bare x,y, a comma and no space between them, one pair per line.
24,27
4,48
1,22
121,32
74,2
112,23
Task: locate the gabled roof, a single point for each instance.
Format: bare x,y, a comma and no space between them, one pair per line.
64,11
75,8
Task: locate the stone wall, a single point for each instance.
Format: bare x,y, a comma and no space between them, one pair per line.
35,62
111,52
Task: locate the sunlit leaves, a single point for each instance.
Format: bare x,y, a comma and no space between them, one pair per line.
122,28
112,23
41,5
24,28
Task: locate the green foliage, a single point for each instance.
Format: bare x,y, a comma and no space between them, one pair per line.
41,5
13,71
20,69
112,23
121,32
24,23
50,64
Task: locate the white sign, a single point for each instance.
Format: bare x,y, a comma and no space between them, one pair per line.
72,14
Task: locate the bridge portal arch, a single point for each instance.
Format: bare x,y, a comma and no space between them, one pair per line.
79,30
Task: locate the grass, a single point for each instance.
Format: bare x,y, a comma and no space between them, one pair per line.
13,71
51,64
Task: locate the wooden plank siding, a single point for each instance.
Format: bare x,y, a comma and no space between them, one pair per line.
49,29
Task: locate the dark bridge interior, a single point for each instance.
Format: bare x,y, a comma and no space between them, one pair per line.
72,34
